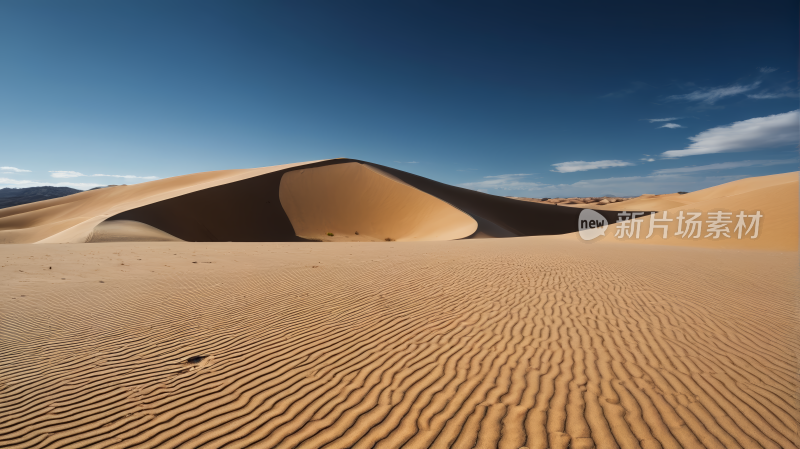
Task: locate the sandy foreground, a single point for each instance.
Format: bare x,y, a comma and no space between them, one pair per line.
524,342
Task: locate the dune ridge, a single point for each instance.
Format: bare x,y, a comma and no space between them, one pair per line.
533,342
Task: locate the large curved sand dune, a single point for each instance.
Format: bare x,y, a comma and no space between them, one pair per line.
292,202
504,343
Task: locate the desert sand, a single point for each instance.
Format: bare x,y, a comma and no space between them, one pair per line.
440,337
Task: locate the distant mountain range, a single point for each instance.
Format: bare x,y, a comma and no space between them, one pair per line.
15,197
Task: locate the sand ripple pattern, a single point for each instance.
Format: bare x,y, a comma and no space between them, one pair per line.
503,346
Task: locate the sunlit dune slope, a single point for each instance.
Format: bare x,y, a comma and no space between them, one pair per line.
281,203
346,198
775,197
128,231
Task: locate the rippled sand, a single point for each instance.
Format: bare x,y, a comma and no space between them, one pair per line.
527,342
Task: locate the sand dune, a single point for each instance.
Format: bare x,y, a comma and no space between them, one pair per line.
338,196
775,197
532,342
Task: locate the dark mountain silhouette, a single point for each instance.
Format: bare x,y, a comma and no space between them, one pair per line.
15,197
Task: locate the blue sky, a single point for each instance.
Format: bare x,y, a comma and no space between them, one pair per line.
510,98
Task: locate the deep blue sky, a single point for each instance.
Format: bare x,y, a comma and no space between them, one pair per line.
487,95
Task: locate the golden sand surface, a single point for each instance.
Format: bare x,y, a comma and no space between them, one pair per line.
525,342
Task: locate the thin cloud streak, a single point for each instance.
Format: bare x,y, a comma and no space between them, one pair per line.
65,174
505,182
767,95
127,176
13,170
573,166
712,95
726,166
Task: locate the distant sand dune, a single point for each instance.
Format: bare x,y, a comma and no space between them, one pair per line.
533,342
775,197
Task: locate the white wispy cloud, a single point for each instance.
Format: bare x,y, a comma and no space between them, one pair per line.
770,95
75,174
8,182
647,159
573,166
752,134
767,69
65,174
654,120
505,182
127,176
671,125
13,170
726,166
714,94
